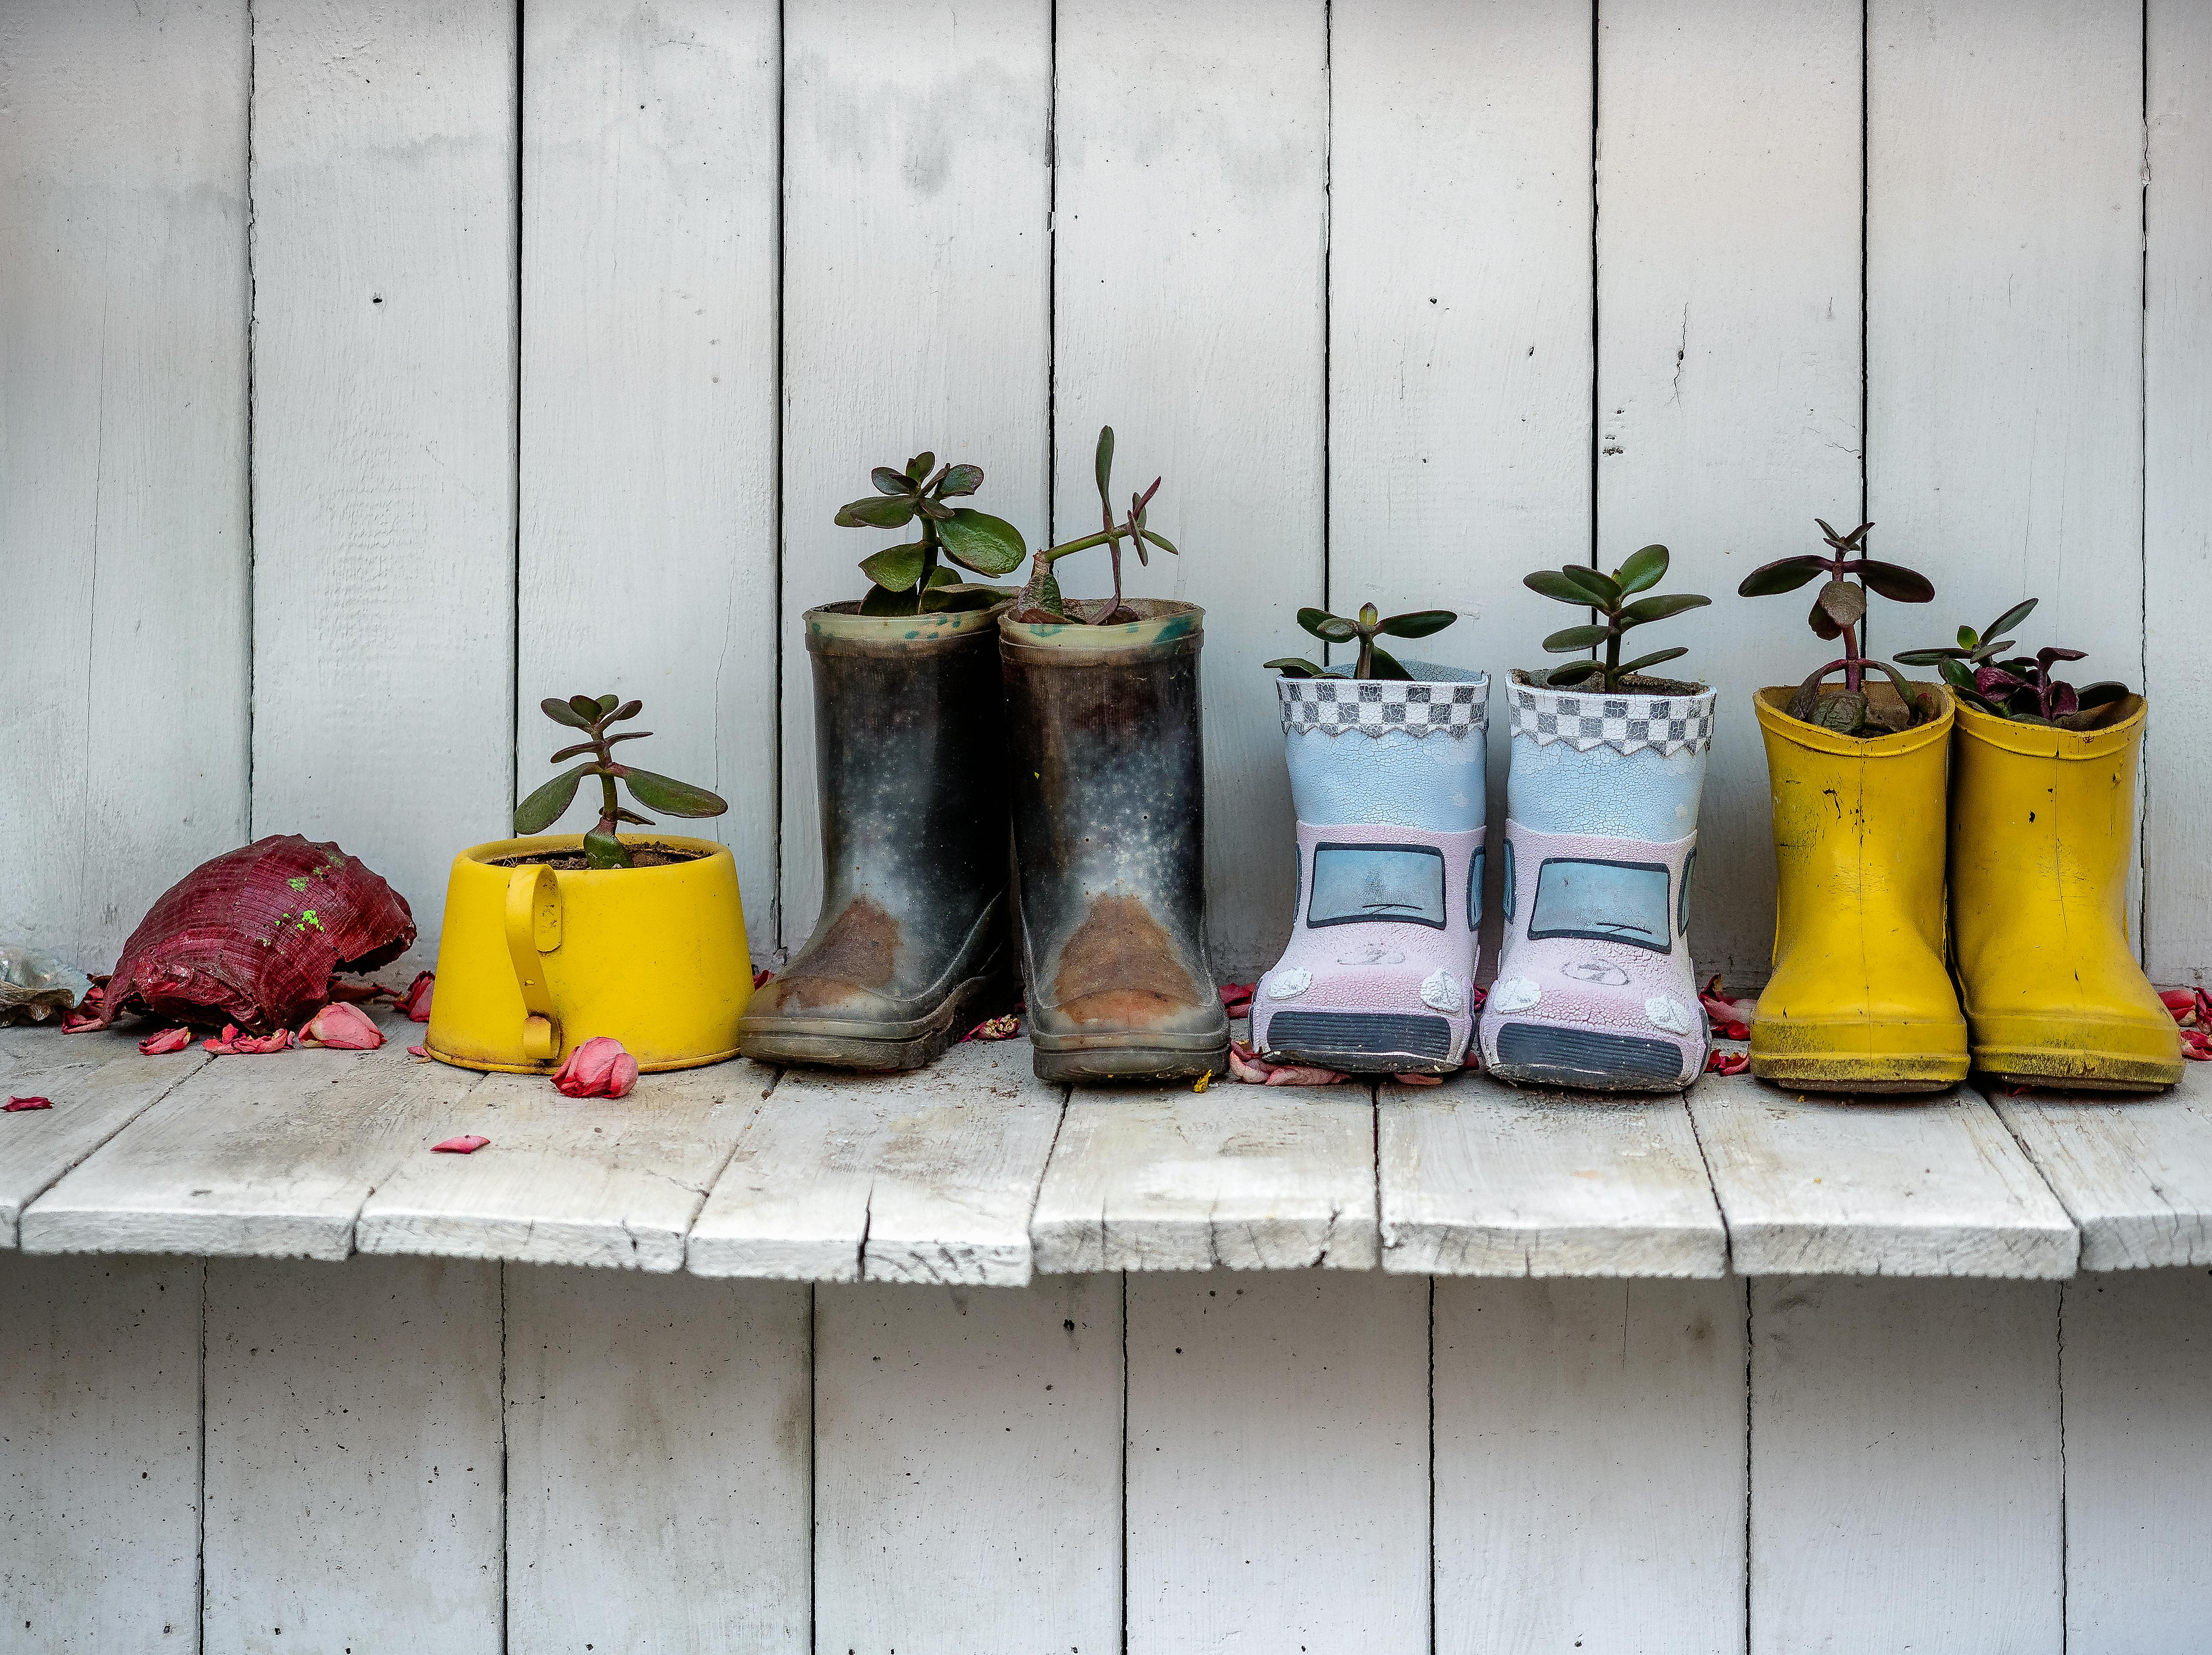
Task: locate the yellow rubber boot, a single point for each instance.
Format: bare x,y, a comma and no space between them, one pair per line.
2042,821
1861,1000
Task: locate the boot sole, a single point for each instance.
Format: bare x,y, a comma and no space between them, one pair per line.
884,1047
1849,1077
2072,1069
1115,1057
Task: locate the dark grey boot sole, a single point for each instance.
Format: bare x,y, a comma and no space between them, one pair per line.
1089,1057
881,1047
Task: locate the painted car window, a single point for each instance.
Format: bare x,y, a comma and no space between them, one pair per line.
1474,892
1682,902
1355,884
1614,902
1506,896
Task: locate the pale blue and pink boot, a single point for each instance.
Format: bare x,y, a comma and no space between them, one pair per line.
1388,779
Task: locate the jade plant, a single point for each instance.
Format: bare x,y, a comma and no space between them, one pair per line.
2021,689
1366,627
1041,601
1839,611
1614,597
603,846
910,578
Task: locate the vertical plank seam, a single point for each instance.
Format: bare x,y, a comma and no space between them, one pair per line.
1596,386
514,504
506,1519
1328,298
1123,1547
1052,274
199,1503
813,1464
1432,1466
252,355
2143,490
1866,166
1728,1239
775,936
2065,1539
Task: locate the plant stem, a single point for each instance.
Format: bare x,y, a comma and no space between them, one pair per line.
1854,663
1364,668
1612,652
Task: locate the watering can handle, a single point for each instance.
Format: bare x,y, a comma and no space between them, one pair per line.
533,930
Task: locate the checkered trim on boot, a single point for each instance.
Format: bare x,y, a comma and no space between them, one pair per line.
1673,723
1334,705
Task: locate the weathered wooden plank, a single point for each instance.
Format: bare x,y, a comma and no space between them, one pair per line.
1728,367
100,1084
1193,144
569,1180
1589,1466
916,300
257,1157
2133,1351
1893,1424
924,1177
2135,1176
648,434
1478,1179
968,1468
384,325
123,483
353,1495
2177,425
1934,1187
1244,1177
1278,1465
657,1464
99,1455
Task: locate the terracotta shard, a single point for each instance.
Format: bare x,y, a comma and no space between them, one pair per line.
856,954
1120,969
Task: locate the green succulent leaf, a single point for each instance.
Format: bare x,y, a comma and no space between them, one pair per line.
672,797
976,540
957,598
960,480
1042,592
622,815
2007,621
1651,660
1824,625
919,466
2102,694
881,601
1968,638
1322,624
1600,587
1783,575
562,714
550,802
1928,657
1574,638
626,712
889,481
1292,666
1102,465
586,707
1953,671
606,705
1568,673
895,568
1419,624
579,749
1383,664
1160,540
935,509
1549,583
1894,581
1643,569
1662,607
605,851
1843,711
876,513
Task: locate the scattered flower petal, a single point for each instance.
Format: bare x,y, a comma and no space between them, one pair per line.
416,1002
1237,999
1726,1063
347,1027
173,1040
467,1144
418,1050
234,1044
1295,1074
763,977
597,1069
995,1028
17,1106
1420,1079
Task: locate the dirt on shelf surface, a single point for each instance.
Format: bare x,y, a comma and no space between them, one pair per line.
644,854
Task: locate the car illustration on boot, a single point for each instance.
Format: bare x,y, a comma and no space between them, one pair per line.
1595,987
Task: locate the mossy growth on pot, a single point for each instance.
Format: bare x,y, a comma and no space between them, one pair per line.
2022,689
1365,627
1839,611
603,846
1614,597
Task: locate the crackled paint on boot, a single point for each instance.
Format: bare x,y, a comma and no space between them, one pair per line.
1861,998
2042,823
912,946
1596,988
1108,786
1388,779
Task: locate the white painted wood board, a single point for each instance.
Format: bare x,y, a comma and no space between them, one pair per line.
2134,1174
123,482
99,1455
1729,144
1241,1177
605,1181
268,1157
968,1468
1589,1466
1460,344
647,552
100,1084
1904,1466
921,1177
1476,1178
384,421
2004,273
917,301
1817,1186
2133,1353
657,1464
1190,287
353,1456
1278,1463
2176,428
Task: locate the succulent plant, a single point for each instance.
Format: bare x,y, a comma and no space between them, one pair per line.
1366,627
1614,597
2022,689
1839,611
1041,600
909,579
603,846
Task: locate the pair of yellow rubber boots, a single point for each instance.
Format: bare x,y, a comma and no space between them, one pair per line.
2041,821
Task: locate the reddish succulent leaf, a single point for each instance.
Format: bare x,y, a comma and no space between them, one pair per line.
344,1027
599,1067
174,1040
18,1105
467,1144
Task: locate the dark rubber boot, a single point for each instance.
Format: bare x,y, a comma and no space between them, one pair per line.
1110,837
911,948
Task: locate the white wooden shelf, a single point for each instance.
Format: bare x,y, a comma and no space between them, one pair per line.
973,1173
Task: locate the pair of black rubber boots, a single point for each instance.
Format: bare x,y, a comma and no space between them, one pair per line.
933,733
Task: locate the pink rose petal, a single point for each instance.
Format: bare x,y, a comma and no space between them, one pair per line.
418,1050
416,1002
467,1144
1420,1079
345,1026
174,1040
17,1106
597,1069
